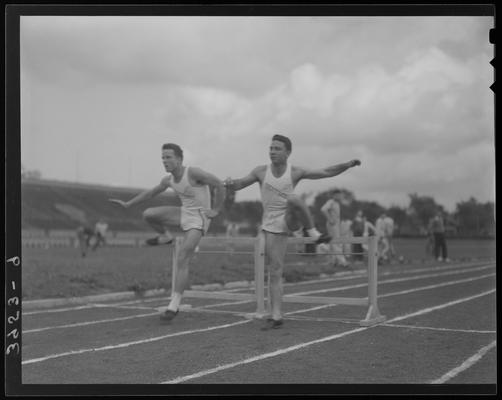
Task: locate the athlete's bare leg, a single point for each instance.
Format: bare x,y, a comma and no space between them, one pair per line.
275,250
159,218
186,252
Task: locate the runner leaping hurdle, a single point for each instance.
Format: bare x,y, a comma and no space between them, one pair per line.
192,185
283,211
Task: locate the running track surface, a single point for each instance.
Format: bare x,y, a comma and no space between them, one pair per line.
440,329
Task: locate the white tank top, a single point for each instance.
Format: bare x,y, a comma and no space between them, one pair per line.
274,195
192,197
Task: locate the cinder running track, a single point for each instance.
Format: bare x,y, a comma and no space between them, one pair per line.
440,329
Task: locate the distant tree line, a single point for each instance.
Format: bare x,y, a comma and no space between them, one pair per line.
470,218
30,173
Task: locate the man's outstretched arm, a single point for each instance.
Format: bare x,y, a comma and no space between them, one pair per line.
145,195
327,172
238,184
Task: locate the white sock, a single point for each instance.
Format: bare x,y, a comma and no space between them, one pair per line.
298,233
175,302
313,232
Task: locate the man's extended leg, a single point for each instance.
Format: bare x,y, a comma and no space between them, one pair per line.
275,250
159,218
186,252
298,215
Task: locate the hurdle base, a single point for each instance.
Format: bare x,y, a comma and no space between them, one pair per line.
373,321
373,317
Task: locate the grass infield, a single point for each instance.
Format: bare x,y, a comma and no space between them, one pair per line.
62,272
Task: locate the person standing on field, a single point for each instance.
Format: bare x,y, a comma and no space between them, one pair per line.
331,210
437,229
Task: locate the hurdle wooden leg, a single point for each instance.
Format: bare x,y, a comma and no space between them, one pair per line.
373,315
259,277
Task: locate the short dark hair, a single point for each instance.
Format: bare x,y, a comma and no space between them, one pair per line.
174,147
283,139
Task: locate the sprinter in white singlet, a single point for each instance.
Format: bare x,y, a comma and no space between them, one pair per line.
283,211
192,185
195,203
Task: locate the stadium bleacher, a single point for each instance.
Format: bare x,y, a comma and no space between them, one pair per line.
51,211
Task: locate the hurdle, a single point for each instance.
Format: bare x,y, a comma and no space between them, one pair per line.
373,315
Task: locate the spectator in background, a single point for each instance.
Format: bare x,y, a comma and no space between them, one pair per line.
437,229
331,210
231,231
346,232
383,241
429,244
358,231
100,232
389,234
84,235
369,230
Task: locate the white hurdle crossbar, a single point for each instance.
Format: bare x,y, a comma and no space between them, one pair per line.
373,315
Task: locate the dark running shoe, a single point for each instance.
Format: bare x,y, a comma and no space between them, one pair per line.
323,239
168,315
156,241
272,324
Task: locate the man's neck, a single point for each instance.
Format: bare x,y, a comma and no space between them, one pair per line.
178,173
279,166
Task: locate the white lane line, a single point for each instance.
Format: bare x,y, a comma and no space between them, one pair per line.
431,328
227,303
260,357
466,364
246,301
88,323
396,280
56,310
125,307
444,305
289,349
90,305
363,285
127,344
407,291
438,285
358,274
136,342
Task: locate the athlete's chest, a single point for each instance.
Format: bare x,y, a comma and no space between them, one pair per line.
278,178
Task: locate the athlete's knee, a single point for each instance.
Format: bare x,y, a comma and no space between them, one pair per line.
148,214
275,273
276,266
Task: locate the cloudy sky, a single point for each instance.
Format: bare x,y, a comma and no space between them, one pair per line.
408,96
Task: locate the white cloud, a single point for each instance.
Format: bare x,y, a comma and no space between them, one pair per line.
409,96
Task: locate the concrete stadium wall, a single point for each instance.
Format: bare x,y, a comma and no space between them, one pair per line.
68,238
